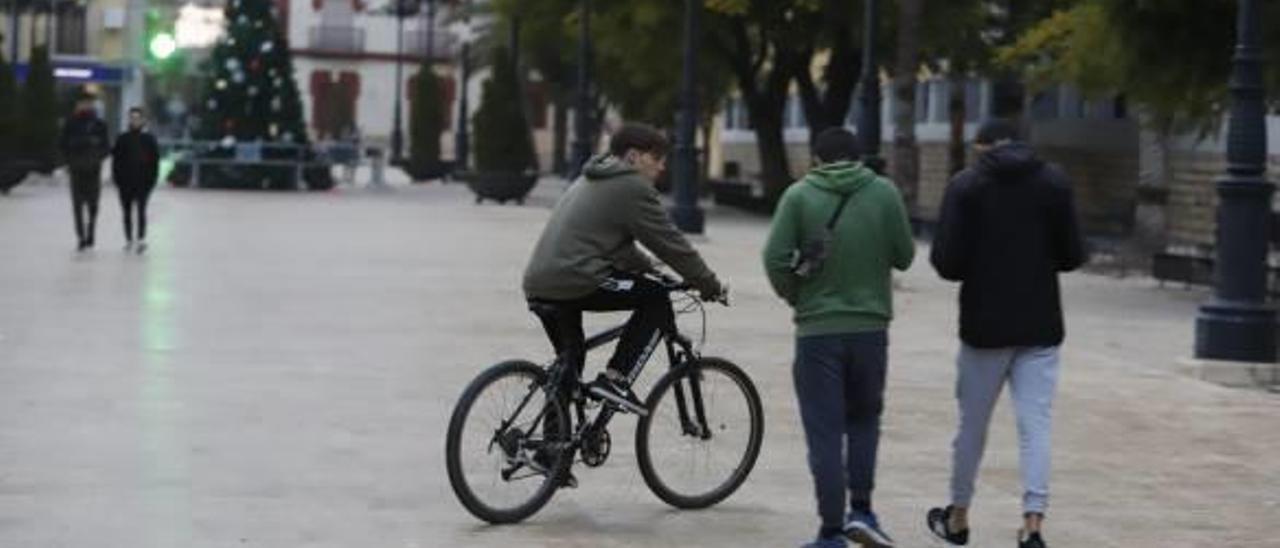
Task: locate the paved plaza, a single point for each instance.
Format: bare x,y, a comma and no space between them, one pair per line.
278,369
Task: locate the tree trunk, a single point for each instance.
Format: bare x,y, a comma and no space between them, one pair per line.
956,107
906,151
829,106
775,169
560,135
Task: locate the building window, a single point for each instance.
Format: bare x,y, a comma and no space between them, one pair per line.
972,100
1044,106
70,36
923,99
735,115
794,115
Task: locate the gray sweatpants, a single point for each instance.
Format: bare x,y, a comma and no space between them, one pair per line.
1032,374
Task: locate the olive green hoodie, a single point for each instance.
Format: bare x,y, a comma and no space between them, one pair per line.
853,290
594,230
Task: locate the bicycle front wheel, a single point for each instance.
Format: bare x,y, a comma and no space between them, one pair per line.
507,445
702,435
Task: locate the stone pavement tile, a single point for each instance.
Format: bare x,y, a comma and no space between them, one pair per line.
278,370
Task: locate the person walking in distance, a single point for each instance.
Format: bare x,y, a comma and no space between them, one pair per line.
836,237
1007,229
135,163
84,144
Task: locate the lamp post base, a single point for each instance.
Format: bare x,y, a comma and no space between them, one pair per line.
1236,331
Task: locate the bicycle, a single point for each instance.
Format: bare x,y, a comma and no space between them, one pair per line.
533,436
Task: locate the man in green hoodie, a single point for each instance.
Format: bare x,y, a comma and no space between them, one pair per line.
587,260
843,302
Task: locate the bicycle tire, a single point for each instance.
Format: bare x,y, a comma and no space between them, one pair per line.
454,459
653,477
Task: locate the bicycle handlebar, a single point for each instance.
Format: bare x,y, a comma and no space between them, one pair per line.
674,284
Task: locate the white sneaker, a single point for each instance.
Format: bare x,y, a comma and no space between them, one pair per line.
140,247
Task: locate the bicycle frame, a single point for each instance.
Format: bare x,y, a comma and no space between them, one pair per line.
680,352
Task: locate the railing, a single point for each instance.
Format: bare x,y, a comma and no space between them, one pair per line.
204,154
345,39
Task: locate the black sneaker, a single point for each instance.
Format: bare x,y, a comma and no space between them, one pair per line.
1030,540
939,522
616,393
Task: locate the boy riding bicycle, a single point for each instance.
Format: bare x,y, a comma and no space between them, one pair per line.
587,260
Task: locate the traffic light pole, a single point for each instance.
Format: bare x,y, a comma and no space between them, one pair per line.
134,92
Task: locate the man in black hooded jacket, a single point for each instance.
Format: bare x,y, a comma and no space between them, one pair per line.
135,163
1007,229
84,144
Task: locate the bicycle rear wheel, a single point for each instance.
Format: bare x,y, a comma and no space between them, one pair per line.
702,435
506,448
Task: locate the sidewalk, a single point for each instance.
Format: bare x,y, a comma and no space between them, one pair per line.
278,371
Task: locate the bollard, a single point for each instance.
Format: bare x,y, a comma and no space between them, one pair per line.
376,163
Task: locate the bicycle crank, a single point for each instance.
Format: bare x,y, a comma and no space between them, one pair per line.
596,447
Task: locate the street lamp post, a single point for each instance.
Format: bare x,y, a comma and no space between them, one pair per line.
461,143
431,30
15,30
582,115
397,134
687,215
869,121
1237,323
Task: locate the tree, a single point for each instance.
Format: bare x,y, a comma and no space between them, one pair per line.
835,27
502,138
250,94
906,152
1109,47
39,131
9,119
547,39
764,52
426,120
647,88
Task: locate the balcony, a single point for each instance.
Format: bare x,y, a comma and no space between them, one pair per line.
340,39
444,45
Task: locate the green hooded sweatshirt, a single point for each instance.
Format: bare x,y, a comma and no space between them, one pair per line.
852,292
594,230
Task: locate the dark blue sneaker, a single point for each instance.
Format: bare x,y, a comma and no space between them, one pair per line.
828,542
864,529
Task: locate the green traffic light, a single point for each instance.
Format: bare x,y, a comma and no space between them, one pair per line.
163,45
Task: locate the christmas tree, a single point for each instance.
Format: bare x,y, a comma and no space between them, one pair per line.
251,98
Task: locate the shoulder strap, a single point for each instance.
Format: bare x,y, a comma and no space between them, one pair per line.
844,200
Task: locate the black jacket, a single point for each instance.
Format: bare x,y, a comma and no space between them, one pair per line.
84,141
1008,227
135,160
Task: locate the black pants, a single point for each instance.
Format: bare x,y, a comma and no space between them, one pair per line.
652,316
86,188
839,382
134,198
